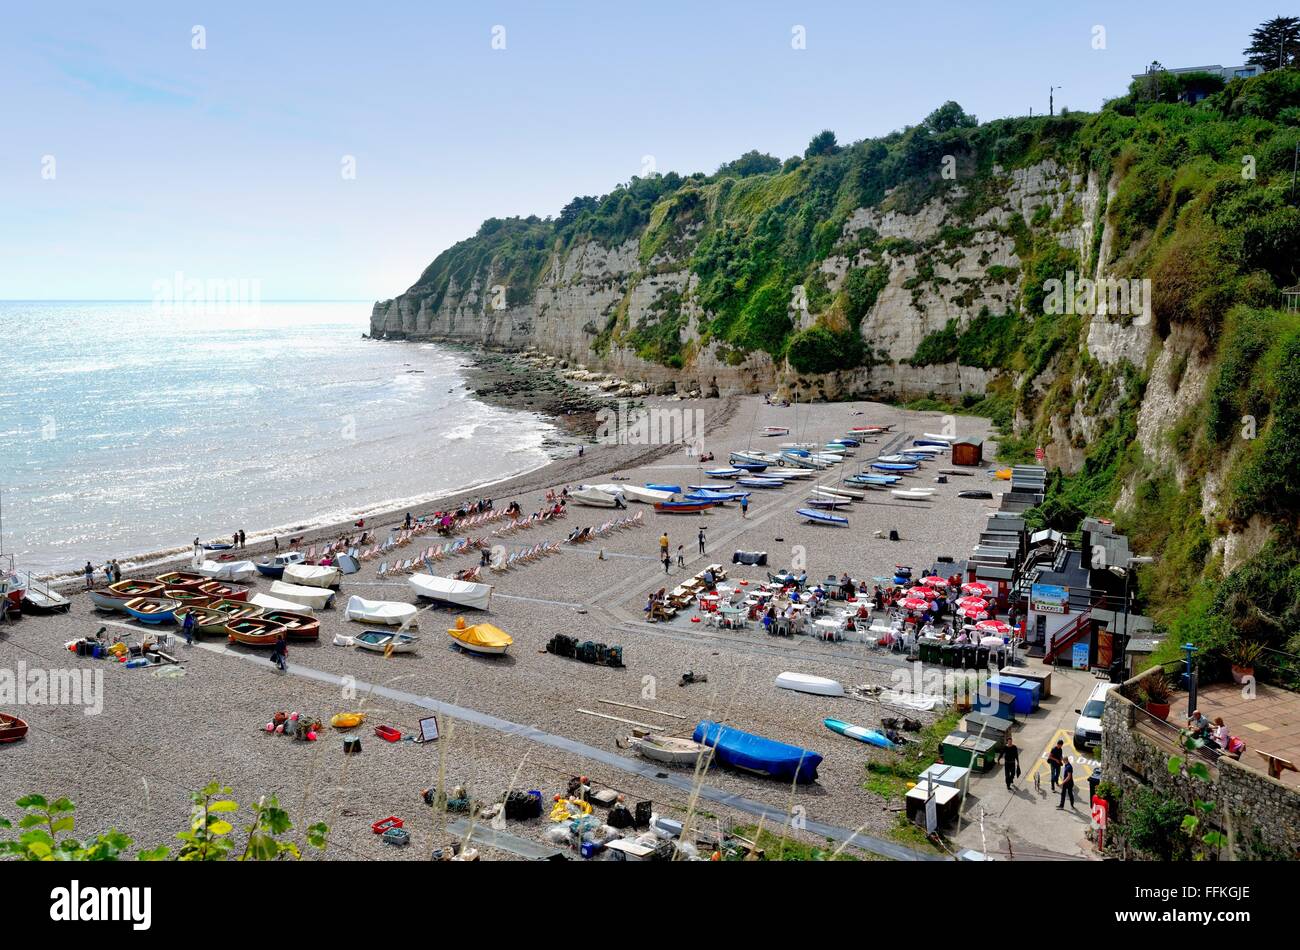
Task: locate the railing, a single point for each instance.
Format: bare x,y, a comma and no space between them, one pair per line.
1068,634
1171,735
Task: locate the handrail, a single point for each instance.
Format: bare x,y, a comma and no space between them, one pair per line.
1174,735
1071,633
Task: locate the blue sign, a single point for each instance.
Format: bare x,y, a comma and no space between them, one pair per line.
1080,656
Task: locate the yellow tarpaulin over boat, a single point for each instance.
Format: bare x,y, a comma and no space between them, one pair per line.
1003,473
481,635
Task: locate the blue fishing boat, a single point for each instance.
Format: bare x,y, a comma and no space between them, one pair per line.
274,567
935,442
751,753
851,443
873,481
760,483
822,517
716,496
869,736
722,472
683,507
712,486
750,466
894,466
675,489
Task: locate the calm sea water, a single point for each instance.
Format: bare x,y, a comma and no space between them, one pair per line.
126,432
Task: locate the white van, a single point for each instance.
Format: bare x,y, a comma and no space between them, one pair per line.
1087,731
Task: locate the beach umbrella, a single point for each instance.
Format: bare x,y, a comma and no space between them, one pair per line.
977,588
972,601
998,628
972,612
934,580
915,603
990,641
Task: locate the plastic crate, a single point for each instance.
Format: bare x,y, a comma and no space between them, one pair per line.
388,733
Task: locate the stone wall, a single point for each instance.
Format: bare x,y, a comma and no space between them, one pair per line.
1249,807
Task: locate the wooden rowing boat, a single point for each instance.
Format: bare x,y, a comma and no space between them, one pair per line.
206,620
181,579
235,609
670,750
299,626
378,641
105,599
254,632
135,588
151,609
683,507
11,728
183,595
219,591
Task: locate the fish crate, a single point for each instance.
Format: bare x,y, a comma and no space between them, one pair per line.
398,837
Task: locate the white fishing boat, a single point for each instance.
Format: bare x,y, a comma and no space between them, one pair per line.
794,473
312,575
227,570
317,598
40,598
801,461
268,602
837,492
946,439
451,591
670,750
637,493
392,613
806,683
377,641
916,494
776,430
590,495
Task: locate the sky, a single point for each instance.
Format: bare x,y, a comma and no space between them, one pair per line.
330,150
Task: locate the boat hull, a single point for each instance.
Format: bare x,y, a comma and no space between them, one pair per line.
758,755
11,728
152,610
813,685
297,626
869,736
379,642
254,632
683,507
105,599
822,517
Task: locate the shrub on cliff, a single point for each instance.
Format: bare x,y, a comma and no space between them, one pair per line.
819,350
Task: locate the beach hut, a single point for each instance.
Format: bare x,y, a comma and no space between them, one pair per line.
968,452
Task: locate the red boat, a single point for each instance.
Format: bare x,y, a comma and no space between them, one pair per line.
682,507
219,591
11,728
299,626
182,579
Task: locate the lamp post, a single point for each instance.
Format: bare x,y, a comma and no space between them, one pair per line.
1117,662
1051,102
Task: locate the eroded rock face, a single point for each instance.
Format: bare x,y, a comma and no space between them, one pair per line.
589,294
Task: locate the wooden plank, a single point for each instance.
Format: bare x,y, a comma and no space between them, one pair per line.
630,722
610,702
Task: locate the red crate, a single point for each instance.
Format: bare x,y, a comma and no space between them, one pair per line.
388,732
392,821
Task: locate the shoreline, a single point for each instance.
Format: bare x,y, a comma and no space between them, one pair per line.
559,470
493,380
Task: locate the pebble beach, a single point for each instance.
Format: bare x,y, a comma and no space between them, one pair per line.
513,722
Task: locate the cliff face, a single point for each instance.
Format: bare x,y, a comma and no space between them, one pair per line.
931,280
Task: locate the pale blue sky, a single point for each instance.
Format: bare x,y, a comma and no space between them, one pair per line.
225,162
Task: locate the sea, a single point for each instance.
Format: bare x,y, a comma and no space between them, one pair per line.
127,429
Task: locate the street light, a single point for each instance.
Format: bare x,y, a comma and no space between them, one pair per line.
1051,104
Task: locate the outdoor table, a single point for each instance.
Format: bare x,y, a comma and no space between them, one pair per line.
732,615
828,629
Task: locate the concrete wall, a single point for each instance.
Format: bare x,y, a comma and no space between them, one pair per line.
1249,807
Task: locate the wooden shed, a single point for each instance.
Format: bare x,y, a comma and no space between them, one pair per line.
968,452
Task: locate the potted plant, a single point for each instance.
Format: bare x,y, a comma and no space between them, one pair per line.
1242,654
1156,693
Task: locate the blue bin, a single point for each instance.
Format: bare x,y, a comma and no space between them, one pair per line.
1025,693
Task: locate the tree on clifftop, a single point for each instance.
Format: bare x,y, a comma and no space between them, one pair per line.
823,143
1275,44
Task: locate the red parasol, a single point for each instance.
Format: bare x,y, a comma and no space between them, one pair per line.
978,588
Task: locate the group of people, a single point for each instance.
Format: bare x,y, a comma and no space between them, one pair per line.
1214,734
666,558
112,573
1058,763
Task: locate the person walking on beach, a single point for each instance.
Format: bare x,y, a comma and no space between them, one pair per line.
663,545
744,506
281,653
1011,762
667,561
701,540
243,539
1056,759
90,575
681,555
187,628
275,541
1067,784
408,520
